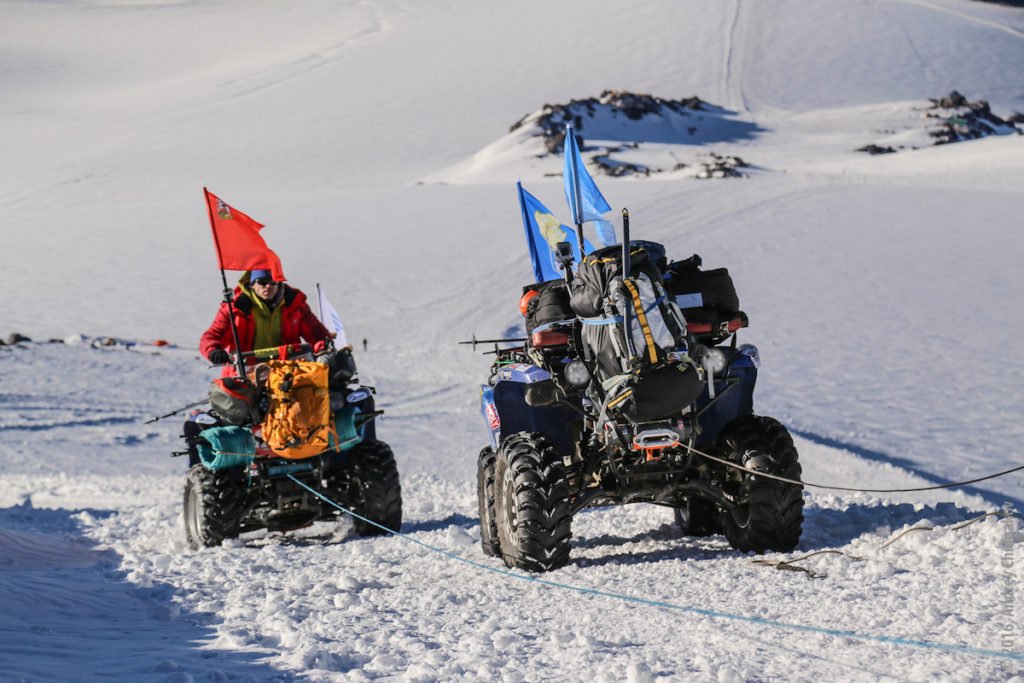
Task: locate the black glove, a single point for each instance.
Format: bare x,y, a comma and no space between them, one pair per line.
219,357
343,366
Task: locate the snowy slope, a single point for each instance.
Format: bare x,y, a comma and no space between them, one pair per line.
373,141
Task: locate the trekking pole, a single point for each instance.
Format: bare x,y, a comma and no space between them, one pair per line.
175,412
239,368
625,244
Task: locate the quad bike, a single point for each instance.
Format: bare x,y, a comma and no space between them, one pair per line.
629,374
237,483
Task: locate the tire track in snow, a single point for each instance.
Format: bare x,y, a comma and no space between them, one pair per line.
906,34
968,17
87,422
732,76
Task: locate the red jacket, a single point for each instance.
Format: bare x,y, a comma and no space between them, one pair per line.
297,324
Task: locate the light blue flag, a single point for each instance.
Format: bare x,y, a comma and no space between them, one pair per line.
585,201
543,232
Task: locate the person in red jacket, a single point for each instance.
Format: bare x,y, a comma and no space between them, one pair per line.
267,314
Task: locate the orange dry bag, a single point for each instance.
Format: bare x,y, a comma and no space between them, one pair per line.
298,422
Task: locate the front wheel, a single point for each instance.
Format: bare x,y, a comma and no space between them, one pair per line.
212,505
531,504
769,514
372,489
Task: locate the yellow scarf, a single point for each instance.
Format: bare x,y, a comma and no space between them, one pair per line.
266,316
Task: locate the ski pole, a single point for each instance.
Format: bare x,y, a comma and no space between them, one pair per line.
190,405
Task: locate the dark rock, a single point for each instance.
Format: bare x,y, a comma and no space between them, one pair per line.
16,337
1006,3
875,149
722,167
634,106
968,120
951,101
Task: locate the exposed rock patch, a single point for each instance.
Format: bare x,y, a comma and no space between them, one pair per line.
963,120
553,118
617,123
954,119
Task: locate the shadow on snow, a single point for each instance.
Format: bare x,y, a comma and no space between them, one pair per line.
71,614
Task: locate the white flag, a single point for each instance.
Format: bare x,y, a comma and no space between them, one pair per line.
331,320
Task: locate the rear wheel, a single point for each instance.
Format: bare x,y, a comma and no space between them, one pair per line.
489,540
212,505
769,515
531,502
370,485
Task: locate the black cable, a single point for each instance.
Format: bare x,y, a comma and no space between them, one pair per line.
844,488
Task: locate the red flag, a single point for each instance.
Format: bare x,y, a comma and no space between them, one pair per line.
237,239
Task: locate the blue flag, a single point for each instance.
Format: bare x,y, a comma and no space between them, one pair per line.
585,201
543,232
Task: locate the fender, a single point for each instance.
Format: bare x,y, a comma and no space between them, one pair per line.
506,411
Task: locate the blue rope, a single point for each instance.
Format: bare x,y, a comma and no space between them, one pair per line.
682,608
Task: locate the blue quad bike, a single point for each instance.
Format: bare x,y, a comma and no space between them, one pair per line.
630,373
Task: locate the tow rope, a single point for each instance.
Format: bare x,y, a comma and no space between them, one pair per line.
791,565
682,608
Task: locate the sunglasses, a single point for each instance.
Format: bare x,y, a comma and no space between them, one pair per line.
264,281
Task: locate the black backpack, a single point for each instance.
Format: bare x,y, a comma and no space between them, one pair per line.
598,268
599,295
707,299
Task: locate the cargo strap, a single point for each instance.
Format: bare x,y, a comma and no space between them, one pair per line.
641,317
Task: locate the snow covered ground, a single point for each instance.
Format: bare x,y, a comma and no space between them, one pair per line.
373,141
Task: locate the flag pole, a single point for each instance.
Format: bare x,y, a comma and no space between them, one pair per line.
320,302
577,192
239,368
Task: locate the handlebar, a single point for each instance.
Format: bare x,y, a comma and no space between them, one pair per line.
284,351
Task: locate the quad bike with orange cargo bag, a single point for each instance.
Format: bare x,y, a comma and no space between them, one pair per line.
294,423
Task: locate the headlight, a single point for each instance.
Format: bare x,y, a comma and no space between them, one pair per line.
576,374
714,361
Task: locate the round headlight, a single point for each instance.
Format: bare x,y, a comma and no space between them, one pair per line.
714,361
576,374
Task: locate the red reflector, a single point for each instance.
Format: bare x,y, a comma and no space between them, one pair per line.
549,338
704,328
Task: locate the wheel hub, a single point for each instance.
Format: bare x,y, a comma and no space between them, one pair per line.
509,519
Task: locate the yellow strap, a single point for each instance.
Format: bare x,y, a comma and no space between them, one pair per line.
620,399
652,350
